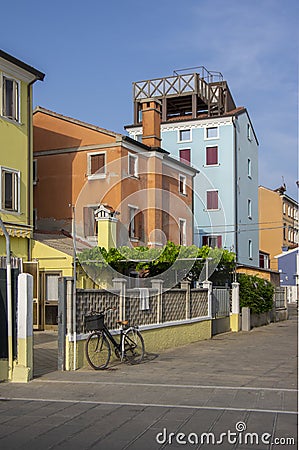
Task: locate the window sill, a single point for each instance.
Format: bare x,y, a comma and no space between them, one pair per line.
15,122
211,210
211,165
184,194
184,142
134,239
135,177
96,176
7,211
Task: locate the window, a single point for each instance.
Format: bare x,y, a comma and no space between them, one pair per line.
183,239
138,137
212,241
182,184
264,261
132,165
135,222
211,156
249,168
52,287
289,211
185,155
184,135
34,218
284,208
34,171
249,208
250,249
249,132
10,188
96,165
10,98
90,223
212,199
284,231
212,133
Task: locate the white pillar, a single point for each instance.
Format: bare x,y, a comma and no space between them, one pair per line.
23,370
209,286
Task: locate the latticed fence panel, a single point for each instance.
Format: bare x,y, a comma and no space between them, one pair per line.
96,300
134,311
174,305
199,303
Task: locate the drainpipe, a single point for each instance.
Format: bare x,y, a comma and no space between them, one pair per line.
29,160
74,289
236,189
8,301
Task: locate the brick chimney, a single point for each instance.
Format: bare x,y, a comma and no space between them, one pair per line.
151,122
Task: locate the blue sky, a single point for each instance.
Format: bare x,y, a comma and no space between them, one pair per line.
92,51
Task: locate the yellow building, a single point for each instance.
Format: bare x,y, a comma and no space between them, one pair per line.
16,161
278,219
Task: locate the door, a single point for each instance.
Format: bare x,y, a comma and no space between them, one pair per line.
50,292
32,268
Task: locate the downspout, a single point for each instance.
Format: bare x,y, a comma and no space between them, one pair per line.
29,160
8,301
74,290
236,190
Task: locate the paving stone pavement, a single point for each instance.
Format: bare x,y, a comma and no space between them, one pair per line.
236,391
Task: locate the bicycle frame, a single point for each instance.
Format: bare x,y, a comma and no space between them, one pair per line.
117,346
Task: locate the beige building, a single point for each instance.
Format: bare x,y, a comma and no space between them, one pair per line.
278,223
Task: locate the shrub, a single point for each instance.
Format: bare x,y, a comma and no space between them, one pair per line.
255,293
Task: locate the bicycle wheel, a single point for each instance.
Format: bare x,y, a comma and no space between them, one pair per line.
133,346
97,350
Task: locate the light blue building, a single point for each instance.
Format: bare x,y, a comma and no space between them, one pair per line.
201,125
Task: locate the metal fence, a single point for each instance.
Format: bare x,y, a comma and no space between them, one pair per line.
280,297
221,302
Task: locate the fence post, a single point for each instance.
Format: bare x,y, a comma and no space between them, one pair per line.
246,325
23,370
235,314
120,284
186,285
158,285
62,320
209,286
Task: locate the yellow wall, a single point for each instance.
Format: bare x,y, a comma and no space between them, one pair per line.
155,340
52,259
271,223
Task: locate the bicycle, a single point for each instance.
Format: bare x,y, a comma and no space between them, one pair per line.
98,349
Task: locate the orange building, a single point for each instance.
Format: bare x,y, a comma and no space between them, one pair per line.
278,222
79,166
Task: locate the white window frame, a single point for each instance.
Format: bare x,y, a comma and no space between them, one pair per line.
206,133
182,131
183,180
249,132
17,203
135,157
250,249
17,99
95,176
249,208
249,167
132,231
183,222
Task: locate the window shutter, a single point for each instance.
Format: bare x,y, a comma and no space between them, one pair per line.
97,163
139,225
205,240
211,155
88,217
219,241
185,156
212,199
